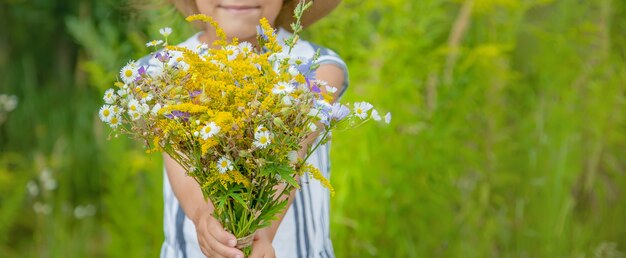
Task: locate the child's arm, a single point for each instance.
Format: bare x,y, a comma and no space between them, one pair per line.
335,77
212,238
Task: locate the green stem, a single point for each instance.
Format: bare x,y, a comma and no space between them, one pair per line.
316,146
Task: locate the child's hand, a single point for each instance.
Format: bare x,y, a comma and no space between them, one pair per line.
214,241
262,247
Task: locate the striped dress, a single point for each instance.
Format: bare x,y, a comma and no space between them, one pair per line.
304,231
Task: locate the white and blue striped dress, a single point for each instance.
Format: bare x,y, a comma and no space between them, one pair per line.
304,231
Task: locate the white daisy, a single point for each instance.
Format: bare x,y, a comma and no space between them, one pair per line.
148,98
262,139
245,47
388,118
122,92
155,109
298,60
283,88
209,130
109,96
331,89
224,165
361,108
133,106
375,115
165,31
260,128
115,121
154,43
106,112
129,72
134,115
232,52
117,110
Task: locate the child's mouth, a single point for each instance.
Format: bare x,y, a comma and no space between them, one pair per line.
239,9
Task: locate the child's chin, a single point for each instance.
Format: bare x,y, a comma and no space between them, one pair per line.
242,32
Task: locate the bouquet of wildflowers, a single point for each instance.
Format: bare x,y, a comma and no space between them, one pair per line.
233,118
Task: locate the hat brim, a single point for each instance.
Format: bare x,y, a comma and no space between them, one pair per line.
318,10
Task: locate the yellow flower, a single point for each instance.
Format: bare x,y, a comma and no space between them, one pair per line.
315,173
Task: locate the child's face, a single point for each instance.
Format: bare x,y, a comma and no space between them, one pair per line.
239,18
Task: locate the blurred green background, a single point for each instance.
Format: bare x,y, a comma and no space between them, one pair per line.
508,137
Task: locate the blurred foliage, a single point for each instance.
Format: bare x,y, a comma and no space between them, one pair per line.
508,137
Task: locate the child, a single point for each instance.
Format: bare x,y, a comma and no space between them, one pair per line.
303,231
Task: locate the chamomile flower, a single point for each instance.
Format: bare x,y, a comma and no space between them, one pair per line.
361,108
209,130
262,139
245,47
375,115
259,128
297,60
129,72
133,106
283,88
224,165
106,112
331,89
109,96
388,118
154,43
117,110
115,121
134,115
165,31
232,52
122,92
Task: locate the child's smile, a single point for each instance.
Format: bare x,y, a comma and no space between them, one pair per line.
239,18
240,9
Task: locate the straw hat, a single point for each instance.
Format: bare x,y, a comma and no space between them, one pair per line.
318,10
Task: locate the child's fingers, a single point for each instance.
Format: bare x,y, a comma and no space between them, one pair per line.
222,242
216,230
223,250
